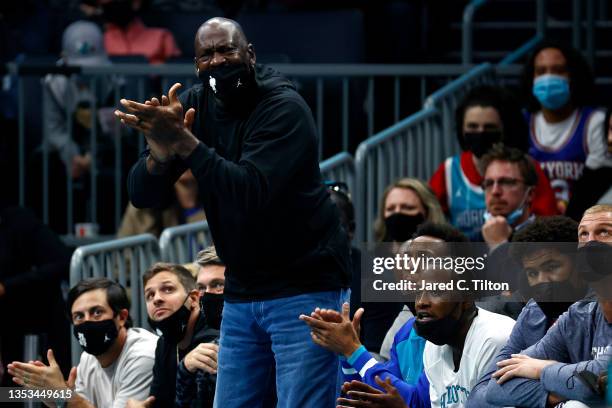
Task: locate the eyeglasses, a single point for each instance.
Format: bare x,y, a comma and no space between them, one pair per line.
503,182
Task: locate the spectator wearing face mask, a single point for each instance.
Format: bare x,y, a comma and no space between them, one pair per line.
488,115
210,282
565,130
509,182
125,33
187,343
404,370
405,205
571,358
462,339
551,282
117,359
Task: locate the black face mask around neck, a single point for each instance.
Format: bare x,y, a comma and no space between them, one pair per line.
440,331
173,327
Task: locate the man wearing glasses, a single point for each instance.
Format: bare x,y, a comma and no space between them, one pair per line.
509,181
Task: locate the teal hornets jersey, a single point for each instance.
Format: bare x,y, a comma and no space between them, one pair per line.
466,201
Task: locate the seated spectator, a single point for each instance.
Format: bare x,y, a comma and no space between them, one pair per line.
579,341
565,130
404,205
33,264
185,210
210,282
186,341
462,339
551,283
117,359
336,332
509,182
428,231
125,34
486,116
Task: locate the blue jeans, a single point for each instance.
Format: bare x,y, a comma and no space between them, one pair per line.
265,342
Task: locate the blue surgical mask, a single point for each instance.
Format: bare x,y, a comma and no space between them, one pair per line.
510,218
552,91
514,215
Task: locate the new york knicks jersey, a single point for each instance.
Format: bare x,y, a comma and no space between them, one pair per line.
563,164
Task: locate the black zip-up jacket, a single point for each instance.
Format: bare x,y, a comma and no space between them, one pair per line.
166,366
271,218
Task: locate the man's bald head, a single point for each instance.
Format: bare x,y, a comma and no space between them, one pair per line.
225,24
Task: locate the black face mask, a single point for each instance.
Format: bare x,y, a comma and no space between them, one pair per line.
439,331
231,84
173,327
594,260
400,227
96,337
480,143
554,298
212,305
119,12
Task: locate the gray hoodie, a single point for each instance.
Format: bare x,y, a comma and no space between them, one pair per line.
580,340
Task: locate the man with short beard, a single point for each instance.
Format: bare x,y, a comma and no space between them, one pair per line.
462,339
186,353
251,142
117,360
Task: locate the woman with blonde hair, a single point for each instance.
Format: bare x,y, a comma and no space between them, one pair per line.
404,205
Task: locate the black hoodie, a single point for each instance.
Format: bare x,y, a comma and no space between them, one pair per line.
271,218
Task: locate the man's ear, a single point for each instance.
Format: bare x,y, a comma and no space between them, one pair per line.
531,195
251,53
123,316
194,297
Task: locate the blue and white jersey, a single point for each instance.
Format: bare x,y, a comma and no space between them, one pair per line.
466,201
561,148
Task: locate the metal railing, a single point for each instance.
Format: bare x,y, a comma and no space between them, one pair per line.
410,148
182,243
123,260
357,86
340,167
